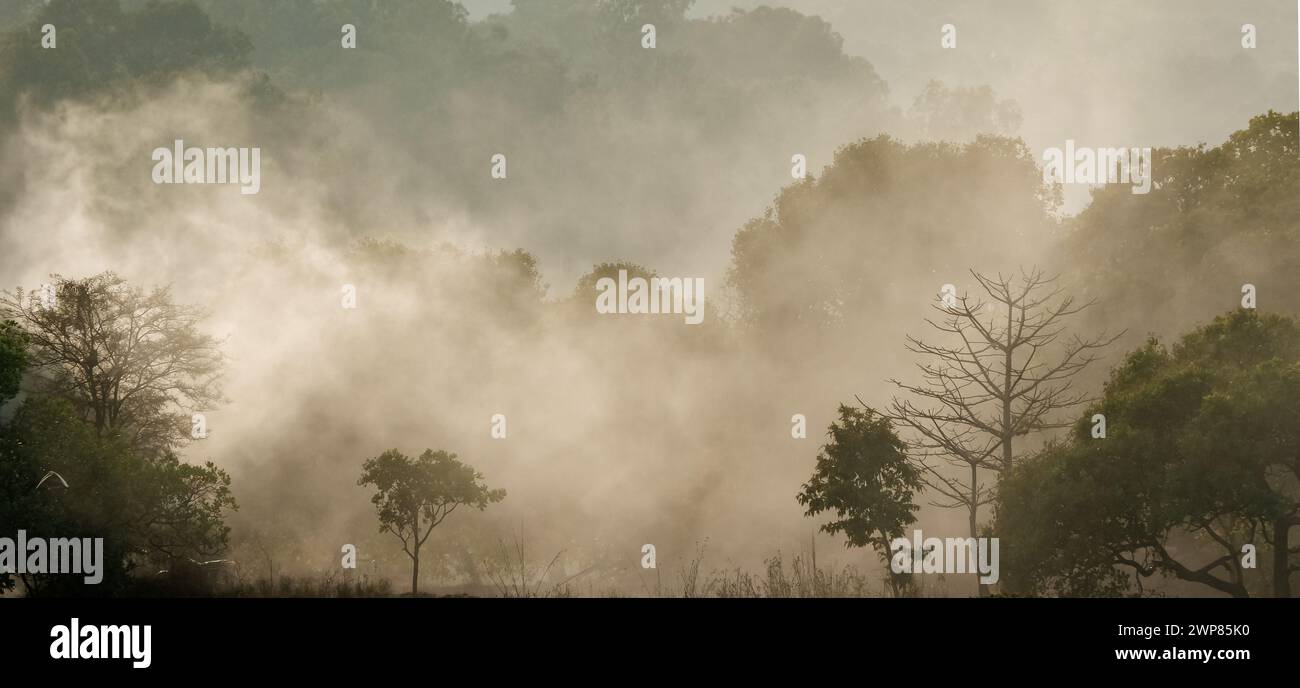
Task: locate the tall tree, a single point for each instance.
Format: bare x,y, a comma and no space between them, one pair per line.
415,495
1002,370
130,362
149,506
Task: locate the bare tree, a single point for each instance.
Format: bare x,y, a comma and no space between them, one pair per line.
128,360
1005,368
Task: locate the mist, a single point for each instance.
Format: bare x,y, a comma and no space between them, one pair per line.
473,295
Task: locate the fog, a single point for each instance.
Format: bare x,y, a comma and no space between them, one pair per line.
622,431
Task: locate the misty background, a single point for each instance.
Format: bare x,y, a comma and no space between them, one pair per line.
474,294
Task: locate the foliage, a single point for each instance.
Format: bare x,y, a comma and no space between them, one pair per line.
838,251
103,49
129,362
864,477
13,358
150,509
1199,459
413,496
1215,219
108,363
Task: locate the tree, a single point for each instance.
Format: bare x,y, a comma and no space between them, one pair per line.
1004,373
128,361
1201,456
148,508
415,495
798,269
864,476
108,363
1216,217
13,358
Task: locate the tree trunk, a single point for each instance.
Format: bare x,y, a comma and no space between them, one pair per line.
415,572
974,529
1006,400
415,557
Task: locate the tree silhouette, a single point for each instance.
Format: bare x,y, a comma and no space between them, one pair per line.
864,476
127,360
1003,371
415,495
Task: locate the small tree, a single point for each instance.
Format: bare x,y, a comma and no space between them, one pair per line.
415,495
864,476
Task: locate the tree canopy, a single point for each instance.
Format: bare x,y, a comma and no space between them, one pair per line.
130,362
414,495
105,365
1217,218
848,246
151,510
864,478
106,49
1200,457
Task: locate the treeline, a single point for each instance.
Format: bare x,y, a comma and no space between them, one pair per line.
563,89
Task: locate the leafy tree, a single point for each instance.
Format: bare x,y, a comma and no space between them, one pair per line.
13,358
1201,456
1217,217
863,475
799,270
415,495
108,364
128,361
148,508
585,290
655,333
